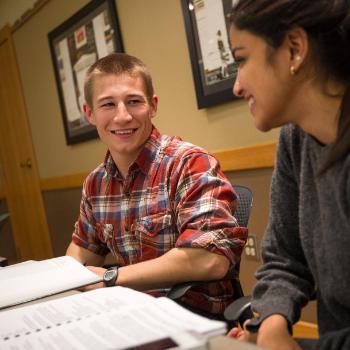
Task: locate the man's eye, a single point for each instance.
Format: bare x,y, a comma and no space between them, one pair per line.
107,105
134,101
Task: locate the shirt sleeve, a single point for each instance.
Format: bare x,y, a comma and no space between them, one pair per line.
86,233
204,206
285,283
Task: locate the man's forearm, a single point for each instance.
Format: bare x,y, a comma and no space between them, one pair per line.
176,266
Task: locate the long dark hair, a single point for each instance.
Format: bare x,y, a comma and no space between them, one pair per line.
327,23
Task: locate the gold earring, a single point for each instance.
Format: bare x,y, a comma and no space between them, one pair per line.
292,70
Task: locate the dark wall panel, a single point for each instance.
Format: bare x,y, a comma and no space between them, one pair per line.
62,209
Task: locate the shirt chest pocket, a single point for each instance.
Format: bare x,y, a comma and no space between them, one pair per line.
156,234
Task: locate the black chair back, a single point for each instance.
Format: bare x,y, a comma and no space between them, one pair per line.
239,311
242,213
244,204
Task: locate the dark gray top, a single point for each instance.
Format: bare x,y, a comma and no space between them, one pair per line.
307,242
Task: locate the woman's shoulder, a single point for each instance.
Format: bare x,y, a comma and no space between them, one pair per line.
291,140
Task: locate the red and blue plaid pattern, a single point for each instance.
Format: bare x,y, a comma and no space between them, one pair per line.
174,195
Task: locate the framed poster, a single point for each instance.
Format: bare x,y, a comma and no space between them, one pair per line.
91,33
213,67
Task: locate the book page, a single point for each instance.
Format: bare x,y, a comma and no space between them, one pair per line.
175,315
106,318
36,279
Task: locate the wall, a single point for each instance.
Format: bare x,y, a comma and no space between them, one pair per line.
153,30
11,11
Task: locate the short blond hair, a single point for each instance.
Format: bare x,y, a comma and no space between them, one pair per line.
118,63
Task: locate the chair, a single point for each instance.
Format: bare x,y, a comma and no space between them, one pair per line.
3,218
245,202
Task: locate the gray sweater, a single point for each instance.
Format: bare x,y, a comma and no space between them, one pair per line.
306,246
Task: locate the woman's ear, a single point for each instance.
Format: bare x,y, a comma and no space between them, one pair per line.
298,44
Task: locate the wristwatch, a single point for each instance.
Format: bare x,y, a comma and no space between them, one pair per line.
110,276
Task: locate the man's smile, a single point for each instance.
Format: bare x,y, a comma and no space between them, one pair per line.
123,131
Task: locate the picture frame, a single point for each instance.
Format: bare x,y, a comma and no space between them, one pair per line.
89,34
213,67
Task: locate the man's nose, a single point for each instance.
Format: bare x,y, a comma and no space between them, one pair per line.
122,112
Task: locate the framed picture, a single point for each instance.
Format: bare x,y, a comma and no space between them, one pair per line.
213,67
91,33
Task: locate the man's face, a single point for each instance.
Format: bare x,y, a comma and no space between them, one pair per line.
122,114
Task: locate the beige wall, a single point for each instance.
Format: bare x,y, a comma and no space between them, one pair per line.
10,10
154,31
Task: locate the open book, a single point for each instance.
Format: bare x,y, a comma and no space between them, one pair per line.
32,280
106,318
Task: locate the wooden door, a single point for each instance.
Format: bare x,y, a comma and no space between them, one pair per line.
20,176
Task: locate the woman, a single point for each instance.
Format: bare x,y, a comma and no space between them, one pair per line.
294,71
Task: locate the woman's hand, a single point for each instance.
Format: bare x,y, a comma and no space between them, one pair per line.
242,335
273,334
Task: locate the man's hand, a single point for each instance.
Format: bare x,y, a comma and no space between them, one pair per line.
98,271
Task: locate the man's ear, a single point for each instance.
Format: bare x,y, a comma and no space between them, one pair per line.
298,44
89,114
154,106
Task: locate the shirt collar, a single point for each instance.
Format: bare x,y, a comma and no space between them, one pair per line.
150,152
110,166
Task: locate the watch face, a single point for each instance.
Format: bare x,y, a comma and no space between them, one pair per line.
110,277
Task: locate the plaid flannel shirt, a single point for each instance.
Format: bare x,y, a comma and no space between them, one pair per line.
174,195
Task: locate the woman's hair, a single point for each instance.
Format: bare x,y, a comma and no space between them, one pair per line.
118,64
327,24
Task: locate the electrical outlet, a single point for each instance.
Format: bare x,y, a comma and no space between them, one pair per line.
251,248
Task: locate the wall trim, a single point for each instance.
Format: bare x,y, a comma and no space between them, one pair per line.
63,182
236,159
247,158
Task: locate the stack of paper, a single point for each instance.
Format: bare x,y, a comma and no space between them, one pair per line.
36,279
106,318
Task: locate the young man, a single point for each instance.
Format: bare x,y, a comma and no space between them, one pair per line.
161,206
